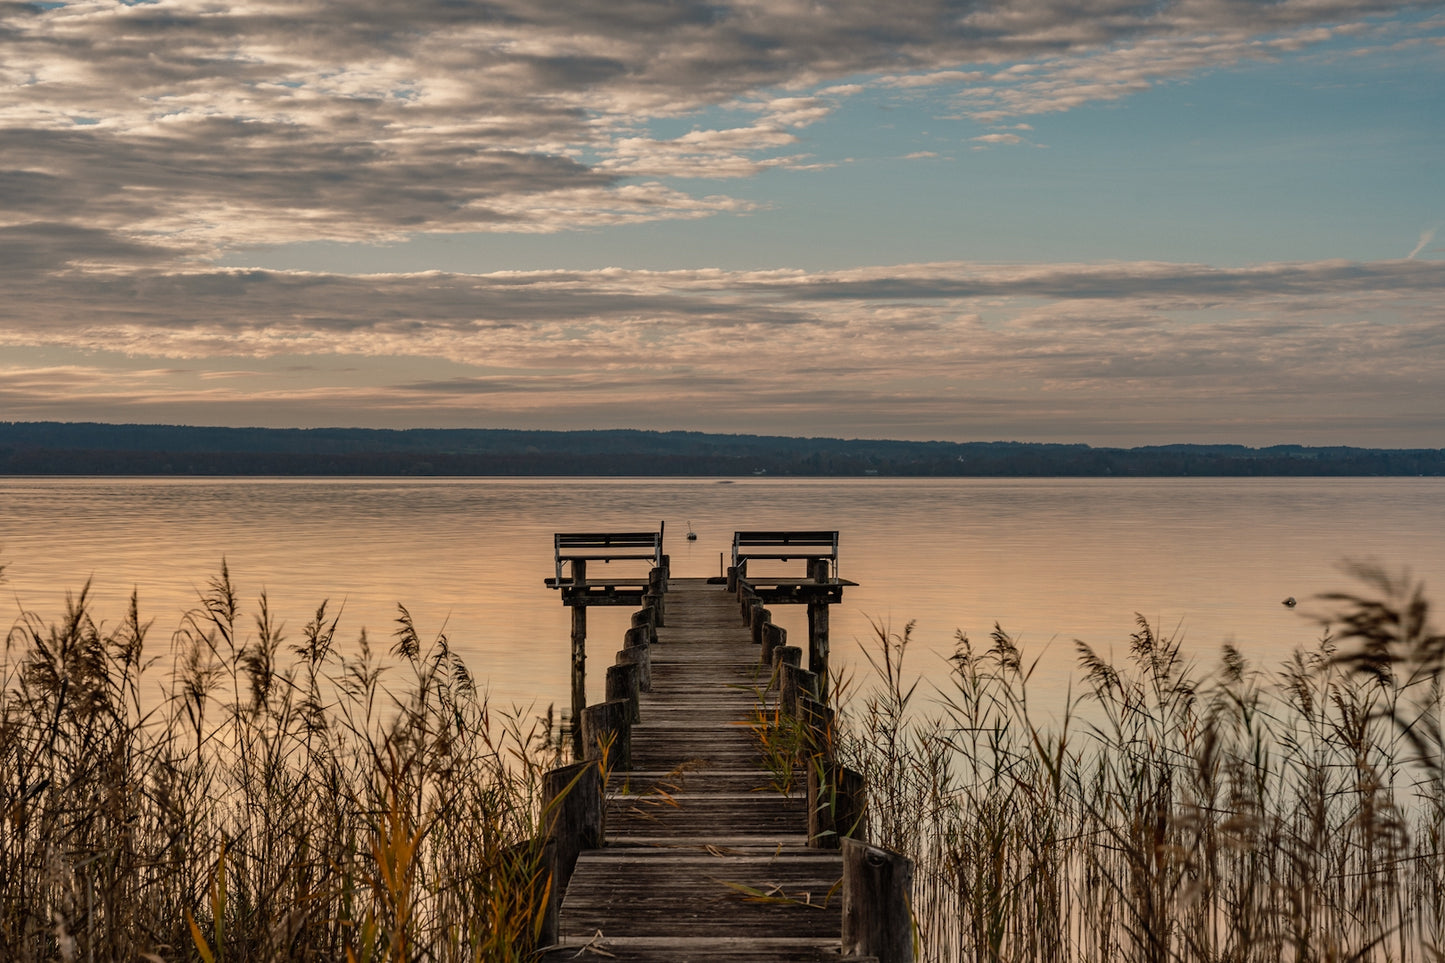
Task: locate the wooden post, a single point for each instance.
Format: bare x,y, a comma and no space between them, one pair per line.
817,719
745,591
623,683
656,589
640,656
787,655
732,576
775,637
531,865
822,831
877,894
760,617
638,635
822,789
579,659
837,804
646,618
572,813
795,684
850,814
784,656
604,723
818,628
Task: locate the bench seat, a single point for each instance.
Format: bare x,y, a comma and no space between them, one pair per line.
784,546
604,547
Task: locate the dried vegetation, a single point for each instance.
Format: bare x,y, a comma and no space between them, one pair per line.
1242,815
263,799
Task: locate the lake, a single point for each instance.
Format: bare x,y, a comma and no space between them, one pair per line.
1051,560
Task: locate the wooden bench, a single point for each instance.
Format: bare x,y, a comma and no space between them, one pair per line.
784,547
572,547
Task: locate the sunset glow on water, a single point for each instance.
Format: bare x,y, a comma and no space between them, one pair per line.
1050,561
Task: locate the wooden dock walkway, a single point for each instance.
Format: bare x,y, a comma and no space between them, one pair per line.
705,860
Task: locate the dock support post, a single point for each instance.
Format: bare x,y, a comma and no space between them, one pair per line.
788,655
637,651
645,618
579,660
774,638
572,814
837,804
817,720
794,684
624,682
609,724
877,888
656,590
747,601
572,804
761,618
818,629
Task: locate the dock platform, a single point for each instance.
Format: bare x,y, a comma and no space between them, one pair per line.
705,859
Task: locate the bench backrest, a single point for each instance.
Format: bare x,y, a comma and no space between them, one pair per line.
786,546
606,547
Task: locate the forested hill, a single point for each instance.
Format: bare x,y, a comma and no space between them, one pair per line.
53,448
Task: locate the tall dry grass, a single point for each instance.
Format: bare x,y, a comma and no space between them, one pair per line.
238,794
1245,814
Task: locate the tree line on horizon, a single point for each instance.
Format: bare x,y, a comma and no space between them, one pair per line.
61,448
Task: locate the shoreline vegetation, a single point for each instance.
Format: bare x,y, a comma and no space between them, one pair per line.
286,799
294,796
1249,814
61,448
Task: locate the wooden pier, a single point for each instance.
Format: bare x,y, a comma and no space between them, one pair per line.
701,857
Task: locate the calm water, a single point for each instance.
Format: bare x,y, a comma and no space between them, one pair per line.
1050,560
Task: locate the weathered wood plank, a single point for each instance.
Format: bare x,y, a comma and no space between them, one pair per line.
695,814
639,893
742,779
680,949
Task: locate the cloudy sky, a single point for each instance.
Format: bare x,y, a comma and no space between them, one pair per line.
1110,221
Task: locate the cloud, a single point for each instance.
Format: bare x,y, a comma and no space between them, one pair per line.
921,349
231,125
139,142
995,140
932,78
43,246
1426,237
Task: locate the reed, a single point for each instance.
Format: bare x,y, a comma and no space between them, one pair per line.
246,796
250,796
1171,814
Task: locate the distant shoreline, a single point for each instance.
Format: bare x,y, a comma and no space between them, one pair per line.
75,449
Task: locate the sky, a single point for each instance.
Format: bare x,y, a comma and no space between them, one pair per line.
1104,221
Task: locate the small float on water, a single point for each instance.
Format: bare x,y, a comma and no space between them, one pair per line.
691,535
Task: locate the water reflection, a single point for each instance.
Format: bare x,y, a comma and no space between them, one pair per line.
1049,560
